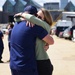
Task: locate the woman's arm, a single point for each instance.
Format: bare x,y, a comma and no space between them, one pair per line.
36,21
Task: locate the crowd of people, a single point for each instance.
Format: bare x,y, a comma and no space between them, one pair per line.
28,42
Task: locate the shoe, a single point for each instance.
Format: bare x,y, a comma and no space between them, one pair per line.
1,61
8,61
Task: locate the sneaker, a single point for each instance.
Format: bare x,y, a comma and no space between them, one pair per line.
1,61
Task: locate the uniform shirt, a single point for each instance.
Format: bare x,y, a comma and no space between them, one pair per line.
23,41
1,41
41,54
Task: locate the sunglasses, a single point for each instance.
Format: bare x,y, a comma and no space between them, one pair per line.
39,17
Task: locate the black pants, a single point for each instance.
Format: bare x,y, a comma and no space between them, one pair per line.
44,67
1,51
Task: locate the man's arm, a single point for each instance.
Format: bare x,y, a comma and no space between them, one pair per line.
48,39
42,34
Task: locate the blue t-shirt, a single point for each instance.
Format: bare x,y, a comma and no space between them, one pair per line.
1,41
23,41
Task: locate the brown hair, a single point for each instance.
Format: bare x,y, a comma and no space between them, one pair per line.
47,16
11,25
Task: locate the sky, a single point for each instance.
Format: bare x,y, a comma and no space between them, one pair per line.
38,1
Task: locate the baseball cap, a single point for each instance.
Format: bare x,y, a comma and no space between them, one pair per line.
31,9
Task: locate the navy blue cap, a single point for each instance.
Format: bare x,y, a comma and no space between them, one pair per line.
31,9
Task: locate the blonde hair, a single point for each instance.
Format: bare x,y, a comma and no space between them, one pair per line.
47,16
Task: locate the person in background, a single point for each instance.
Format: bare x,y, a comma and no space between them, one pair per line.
9,27
1,46
43,19
23,42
